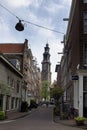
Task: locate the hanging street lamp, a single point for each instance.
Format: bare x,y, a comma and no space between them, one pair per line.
19,26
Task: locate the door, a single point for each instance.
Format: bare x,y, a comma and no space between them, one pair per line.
85,104
1,101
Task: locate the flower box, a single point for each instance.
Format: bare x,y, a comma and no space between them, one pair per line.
79,120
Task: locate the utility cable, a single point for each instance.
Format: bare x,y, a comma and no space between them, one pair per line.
43,27
9,11
30,22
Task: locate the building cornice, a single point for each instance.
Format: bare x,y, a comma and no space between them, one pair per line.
13,53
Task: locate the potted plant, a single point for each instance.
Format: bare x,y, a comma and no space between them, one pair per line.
79,120
2,115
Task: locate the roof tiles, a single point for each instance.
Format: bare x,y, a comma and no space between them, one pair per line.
11,48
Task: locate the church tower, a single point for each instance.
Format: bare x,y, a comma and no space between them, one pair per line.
46,65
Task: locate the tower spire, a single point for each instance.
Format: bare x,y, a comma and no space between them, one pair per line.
46,65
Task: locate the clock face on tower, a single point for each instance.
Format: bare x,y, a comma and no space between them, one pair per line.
45,66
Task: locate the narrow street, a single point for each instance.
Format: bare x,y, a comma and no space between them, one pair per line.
40,119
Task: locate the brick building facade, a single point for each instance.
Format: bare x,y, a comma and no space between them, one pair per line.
73,66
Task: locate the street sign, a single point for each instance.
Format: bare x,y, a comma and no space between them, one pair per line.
75,77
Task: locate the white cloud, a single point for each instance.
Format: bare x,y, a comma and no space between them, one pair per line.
45,33
4,29
3,26
53,7
66,2
55,47
41,30
32,17
18,3
36,3
22,3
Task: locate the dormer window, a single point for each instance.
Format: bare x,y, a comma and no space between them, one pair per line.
16,63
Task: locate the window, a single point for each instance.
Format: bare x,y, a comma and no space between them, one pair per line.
85,53
7,102
18,86
16,63
12,83
16,103
85,1
85,22
1,101
8,80
85,83
12,103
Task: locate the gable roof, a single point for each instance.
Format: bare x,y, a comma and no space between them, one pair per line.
12,48
6,61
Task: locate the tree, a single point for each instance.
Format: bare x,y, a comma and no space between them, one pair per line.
45,91
57,92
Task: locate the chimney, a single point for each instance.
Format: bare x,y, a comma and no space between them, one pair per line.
26,43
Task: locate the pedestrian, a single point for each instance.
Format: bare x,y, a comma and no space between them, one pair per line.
47,104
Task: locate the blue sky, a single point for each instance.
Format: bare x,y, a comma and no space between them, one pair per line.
48,13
